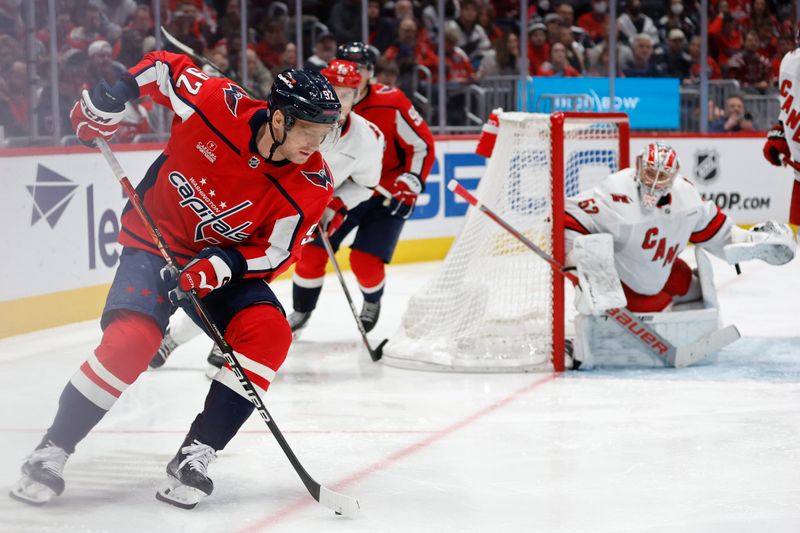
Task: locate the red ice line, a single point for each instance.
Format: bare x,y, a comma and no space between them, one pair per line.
278,516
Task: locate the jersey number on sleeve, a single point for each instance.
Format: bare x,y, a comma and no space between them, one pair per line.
194,88
589,206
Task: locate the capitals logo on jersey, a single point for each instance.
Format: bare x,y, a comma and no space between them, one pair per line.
232,96
321,178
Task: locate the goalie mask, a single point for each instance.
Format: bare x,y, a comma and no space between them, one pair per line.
656,168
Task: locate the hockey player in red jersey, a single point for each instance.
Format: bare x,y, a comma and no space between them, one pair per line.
407,161
239,188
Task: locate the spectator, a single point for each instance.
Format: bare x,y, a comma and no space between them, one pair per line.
597,61
751,69
538,47
503,59
760,13
10,19
486,18
472,38
676,18
142,20
64,27
324,51
403,9
554,24
73,72
558,65
785,45
595,22
579,35
694,70
186,27
386,72
18,97
9,127
382,30
736,118
458,67
259,76
101,65
273,42
408,51
574,49
634,22
118,12
135,120
131,47
218,57
767,40
288,59
9,53
89,30
643,65
677,60
723,38
344,21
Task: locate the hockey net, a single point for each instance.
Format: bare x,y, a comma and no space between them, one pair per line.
495,306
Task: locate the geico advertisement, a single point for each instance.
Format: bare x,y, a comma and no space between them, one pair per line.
63,210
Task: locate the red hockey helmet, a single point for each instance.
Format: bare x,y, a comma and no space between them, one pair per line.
657,166
341,73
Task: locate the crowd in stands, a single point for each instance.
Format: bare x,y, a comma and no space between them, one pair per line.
99,39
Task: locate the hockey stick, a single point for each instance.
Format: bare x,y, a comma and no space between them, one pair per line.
377,353
339,503
191,53
657,345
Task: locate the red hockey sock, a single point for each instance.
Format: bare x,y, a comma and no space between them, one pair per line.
260,337
312,262
369,270
127,346
680,279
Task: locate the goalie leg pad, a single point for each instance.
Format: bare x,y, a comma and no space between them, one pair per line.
600,288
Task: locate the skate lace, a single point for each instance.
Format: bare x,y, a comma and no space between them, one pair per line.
51,457
198,455
370,310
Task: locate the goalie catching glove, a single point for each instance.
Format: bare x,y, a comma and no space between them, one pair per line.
599,288
211,269
772,242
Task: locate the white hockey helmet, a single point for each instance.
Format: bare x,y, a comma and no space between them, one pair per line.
657,166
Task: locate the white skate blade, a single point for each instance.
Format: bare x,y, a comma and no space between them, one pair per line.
341,504
176,493
31,492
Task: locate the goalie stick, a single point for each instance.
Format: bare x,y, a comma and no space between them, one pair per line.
377,353
656,344
339,503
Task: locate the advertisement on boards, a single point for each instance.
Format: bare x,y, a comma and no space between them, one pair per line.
651,103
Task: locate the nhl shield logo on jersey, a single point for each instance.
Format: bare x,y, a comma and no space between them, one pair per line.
706,165
320,178
232,96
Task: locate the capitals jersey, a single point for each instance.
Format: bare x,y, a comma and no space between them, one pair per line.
646,241
355,160
210,186
409,142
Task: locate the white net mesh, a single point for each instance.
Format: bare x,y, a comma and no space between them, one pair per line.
490,307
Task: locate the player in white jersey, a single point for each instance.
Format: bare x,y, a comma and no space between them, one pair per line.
783,139
651,213
355,162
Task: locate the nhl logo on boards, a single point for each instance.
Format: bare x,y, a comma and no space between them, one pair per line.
254,162
706,165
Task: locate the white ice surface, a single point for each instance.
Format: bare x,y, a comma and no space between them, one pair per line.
715,448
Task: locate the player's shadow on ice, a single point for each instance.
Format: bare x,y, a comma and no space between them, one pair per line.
749,358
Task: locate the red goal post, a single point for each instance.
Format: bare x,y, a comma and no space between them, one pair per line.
494,306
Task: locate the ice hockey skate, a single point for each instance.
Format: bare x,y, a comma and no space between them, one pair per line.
369,315
297,321
216,360
187,473
42,475
168,344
